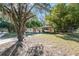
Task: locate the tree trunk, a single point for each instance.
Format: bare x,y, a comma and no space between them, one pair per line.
20,37
20,32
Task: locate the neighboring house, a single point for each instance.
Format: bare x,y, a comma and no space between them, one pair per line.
33,30
40,29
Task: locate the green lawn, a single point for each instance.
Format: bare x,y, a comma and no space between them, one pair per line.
58,38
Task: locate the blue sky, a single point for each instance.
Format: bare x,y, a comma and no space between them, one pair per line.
41,16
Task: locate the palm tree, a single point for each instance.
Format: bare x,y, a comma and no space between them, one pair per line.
19,13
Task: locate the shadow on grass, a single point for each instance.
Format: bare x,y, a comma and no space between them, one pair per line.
72,36
13,34
8,35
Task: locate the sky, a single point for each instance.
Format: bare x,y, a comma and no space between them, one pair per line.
41,16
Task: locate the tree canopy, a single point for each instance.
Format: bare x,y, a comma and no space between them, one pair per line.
7,25
64,17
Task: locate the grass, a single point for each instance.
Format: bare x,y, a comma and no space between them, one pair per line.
71,39
56,38
72,36
58,41
13,34
70,44
8,35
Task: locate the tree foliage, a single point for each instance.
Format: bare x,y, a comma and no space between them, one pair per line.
64,17
7,25
33,23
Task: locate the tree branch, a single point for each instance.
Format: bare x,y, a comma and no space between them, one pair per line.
26,14
28,18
